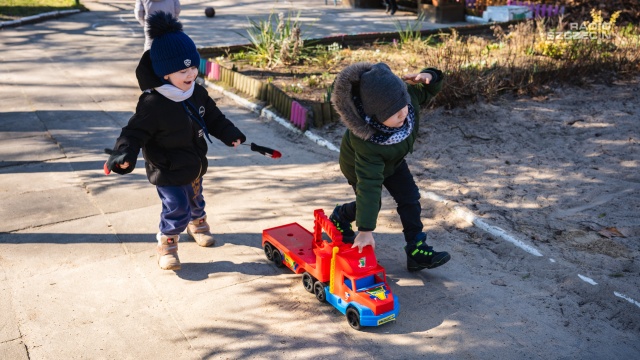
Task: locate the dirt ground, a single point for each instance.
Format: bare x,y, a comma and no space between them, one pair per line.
559,172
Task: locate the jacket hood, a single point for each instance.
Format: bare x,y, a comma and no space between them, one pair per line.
147,79
345,86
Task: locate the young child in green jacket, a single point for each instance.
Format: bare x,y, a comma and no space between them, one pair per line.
381,114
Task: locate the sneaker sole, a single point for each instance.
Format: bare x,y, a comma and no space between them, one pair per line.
172,267
413,266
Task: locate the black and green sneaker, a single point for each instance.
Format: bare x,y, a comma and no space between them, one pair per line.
421,256
348,236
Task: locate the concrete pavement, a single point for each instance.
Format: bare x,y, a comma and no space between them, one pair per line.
78,275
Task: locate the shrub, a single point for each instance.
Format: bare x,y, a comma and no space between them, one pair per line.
275,42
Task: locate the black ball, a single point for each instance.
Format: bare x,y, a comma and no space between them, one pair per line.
210,12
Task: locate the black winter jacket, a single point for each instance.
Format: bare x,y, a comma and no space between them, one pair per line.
173,144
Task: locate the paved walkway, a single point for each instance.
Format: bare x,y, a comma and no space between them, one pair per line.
78,276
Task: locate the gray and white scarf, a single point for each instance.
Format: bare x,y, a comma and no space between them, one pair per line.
387,135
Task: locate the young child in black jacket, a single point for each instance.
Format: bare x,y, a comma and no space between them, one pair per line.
173,117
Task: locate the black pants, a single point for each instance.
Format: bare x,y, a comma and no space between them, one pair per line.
405,192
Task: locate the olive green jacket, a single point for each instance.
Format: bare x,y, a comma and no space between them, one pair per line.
364,163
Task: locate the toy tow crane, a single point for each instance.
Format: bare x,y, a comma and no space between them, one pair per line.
353,282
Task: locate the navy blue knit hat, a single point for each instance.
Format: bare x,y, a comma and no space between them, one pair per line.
171,50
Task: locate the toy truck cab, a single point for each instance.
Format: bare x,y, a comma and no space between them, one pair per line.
359,289
353,282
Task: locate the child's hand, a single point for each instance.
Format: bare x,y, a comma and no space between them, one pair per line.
421,78
236,143
117,162
363,239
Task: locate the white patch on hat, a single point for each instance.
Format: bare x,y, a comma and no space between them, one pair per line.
187,62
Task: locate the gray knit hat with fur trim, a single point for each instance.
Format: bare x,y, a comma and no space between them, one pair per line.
382,92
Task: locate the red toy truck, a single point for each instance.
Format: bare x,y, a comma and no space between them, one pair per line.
352,282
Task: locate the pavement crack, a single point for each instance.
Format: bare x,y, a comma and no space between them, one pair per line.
48,224
10,340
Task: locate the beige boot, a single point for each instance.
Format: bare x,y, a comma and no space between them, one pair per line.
168,251
198,229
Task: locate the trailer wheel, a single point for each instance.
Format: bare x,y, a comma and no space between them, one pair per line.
276,257
308,282
268,251
353,318
318,289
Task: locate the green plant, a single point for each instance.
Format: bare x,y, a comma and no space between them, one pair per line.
312,81
411,31
275,41
325,56
239,56
296,88
327,95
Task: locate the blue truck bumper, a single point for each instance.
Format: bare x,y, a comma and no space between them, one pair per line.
367,318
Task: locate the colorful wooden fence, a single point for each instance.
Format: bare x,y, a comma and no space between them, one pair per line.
300,115
538,10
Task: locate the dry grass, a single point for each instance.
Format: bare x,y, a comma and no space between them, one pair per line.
528,58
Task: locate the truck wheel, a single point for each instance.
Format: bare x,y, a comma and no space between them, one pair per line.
308,281
353,318
318,289
268,251
276,257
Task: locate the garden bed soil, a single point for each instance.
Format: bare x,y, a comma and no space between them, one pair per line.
309,81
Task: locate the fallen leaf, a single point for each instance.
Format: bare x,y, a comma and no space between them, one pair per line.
610,232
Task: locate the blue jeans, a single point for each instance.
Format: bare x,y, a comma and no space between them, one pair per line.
180,204
405,192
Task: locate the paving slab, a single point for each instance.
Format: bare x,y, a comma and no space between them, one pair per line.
78,272
14,349
71,312
9,331
42,175
37,208
18,124
63,245
41,148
